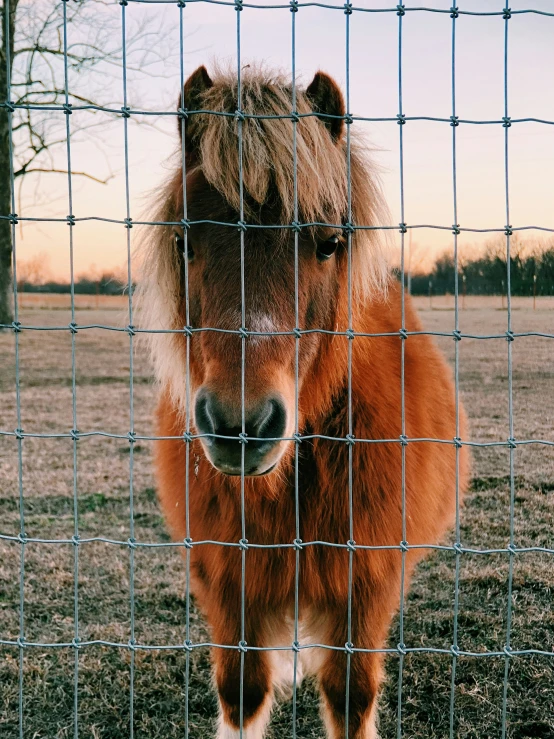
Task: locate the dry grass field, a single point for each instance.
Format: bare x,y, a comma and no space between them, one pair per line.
103,404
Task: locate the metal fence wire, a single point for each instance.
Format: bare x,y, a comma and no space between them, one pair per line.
349,12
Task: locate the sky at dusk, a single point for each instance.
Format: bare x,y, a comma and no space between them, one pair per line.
320,44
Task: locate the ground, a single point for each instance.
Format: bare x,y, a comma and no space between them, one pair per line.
102,403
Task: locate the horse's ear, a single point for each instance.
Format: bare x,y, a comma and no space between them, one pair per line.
195,86
326,98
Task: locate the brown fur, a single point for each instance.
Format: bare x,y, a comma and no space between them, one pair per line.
215,361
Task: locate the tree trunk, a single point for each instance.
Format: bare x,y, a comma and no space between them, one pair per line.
5,184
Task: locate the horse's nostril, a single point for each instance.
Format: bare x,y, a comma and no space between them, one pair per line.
271,422
266,421
204,413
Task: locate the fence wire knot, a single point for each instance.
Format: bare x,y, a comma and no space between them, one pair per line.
350,439
294,6
457,442
400,119
242,646
454,12
404,546
21,538
506,121
402,332
70,219
458,548
132,644
507,650
350,333
507,14
187,644
297,438
348,119
508,230
295,226
348,8
243,544
510,336
10,106
75,540
298,544
76,642
67,108
19,434
12,218
123,2
73,327
403,229
511,442
295,646
351,545
512,551
128,222
182,114
348,228
241,225
401,649
454,120
187,542
454,651
131,437
20,641
400,10
456,229
243,438
457,334
403,439
238,5
16,326
132,542
187,330
187,437
297,333
243,332
181,4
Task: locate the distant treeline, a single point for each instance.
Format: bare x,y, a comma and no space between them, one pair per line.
487,275
484,275
106,284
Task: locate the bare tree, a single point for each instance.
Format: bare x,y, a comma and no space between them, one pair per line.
41,69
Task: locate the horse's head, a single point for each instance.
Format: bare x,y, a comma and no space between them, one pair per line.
249,287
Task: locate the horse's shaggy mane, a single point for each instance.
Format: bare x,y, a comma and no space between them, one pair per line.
267,169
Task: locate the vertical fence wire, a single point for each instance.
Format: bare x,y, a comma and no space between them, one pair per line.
509,336
130,331
349,645
73,327
295,645
244,542
403,442
455,230
188,543
19,430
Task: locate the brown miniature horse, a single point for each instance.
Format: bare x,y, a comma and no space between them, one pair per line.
210,259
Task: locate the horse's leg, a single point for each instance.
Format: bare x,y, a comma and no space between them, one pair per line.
370,623
256,696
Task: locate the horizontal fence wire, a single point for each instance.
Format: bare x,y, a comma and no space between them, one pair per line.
458,550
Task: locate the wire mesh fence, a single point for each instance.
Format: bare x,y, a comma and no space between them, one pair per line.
131,544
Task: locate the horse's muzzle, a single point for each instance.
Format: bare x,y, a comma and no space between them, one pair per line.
254,452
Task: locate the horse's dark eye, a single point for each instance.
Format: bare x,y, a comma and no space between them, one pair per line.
180,244
326,249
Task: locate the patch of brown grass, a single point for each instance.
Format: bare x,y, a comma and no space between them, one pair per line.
103,507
